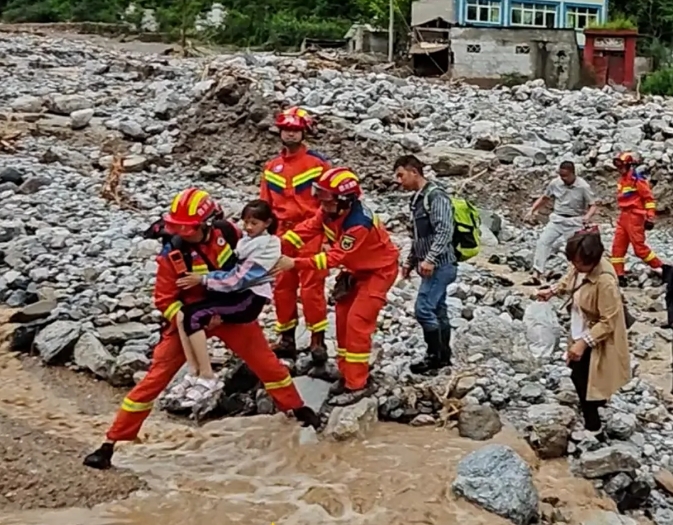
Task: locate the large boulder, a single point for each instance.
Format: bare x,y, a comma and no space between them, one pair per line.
497,479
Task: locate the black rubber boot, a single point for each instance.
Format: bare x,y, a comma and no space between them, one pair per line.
318,349
101,458
307,417
350,397
433,338
445,352
337,388
286,347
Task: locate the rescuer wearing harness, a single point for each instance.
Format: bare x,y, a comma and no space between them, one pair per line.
286,186
636,215
198,245
361,246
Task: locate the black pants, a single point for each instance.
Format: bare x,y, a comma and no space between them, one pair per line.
232,308
580,378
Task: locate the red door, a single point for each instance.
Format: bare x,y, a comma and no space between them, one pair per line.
616,68
600,69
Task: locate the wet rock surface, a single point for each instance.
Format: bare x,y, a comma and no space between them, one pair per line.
84,259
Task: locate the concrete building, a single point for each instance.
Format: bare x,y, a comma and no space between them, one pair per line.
485,53
530,14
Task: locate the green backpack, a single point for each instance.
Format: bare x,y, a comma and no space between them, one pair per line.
466,225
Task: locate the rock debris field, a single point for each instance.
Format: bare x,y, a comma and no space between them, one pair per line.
76,267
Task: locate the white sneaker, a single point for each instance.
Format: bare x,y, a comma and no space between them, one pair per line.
180,390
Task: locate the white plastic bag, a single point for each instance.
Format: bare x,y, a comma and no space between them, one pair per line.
543,330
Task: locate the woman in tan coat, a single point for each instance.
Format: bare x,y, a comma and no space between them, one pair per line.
598,352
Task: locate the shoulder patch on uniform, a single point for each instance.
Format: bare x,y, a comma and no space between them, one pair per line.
347,242
317,155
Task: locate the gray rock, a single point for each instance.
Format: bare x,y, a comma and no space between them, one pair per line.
610,460
352,421
548,414
663,517
80,119
90,354
120,333
132,130
621,426
479,422
498,480
126,366
68,104
27,104
57,340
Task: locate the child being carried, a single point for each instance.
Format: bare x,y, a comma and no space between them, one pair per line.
236,296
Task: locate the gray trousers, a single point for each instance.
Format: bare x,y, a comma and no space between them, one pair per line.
558,230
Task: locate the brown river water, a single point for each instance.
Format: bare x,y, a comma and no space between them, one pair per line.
255,470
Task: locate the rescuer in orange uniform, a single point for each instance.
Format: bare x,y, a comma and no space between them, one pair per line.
286,186
200,243
361,246
636,215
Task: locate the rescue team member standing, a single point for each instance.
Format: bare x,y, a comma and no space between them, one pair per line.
286,186
361,246
574,207
636,215
433,256
197,246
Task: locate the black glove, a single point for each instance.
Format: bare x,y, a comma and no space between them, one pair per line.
649,225
343,286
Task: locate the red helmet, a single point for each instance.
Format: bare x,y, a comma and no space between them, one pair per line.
339,183
294,119
190,209
627,159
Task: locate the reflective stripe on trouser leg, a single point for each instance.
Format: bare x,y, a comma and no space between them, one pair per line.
620,245
314,304
361,325
341,310
247,341
636,231
369,298
167,359
285,300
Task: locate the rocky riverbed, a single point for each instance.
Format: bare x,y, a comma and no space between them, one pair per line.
69,111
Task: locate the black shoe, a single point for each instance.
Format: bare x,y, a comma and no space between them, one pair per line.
337,388
307,417
622,281
101,458
286,347
433,339
350,397
318,349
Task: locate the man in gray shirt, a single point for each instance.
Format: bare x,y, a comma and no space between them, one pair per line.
574,206
433,256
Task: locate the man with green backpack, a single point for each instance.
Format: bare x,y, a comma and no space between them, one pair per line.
445,230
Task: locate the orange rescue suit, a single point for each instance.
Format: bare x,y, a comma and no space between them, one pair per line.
361,245
245,340
636,205
287,186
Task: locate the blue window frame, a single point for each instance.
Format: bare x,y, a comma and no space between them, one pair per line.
527,14
483,11
581,16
